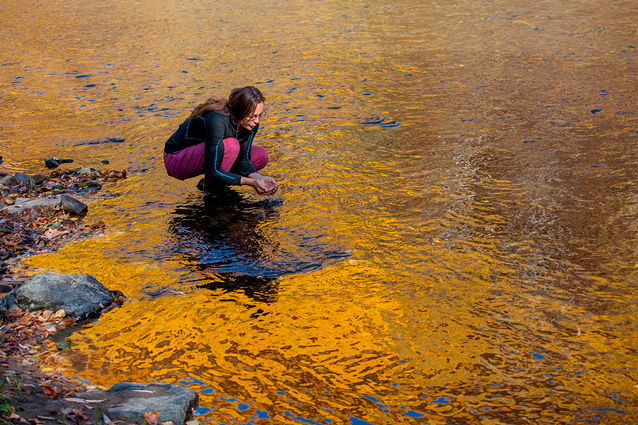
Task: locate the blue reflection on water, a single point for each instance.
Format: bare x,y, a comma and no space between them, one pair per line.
301,419
355,421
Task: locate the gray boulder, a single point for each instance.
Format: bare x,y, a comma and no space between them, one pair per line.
80,295
128,401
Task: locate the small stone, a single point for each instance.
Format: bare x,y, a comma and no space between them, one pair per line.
8,180
51,163
70,204
39,178
24,180
105,161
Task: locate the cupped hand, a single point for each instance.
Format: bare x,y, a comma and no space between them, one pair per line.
266,185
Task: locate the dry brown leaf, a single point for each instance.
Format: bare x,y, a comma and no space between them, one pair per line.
60,314
14,312
151,418
46,314
49,390
79,413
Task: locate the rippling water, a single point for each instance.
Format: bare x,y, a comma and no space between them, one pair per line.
455,238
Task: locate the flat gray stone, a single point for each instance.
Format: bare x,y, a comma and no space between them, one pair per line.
128,401
40,202
80,295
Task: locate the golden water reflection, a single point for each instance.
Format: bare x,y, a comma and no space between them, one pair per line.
455,237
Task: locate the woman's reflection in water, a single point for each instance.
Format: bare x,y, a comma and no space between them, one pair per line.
221,241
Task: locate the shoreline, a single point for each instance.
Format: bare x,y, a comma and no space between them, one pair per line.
32,392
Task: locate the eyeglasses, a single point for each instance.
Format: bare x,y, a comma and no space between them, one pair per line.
254,117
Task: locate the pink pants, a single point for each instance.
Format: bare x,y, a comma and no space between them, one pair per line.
189,162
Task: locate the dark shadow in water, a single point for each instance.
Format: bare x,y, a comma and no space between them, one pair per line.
233,243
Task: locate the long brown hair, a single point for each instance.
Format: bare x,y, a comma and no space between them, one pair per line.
211,104
241,103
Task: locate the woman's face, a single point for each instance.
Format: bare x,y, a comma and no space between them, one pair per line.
251,121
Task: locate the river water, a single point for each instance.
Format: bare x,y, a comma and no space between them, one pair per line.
455,236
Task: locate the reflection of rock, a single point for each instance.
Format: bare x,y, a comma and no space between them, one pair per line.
79,295
128,402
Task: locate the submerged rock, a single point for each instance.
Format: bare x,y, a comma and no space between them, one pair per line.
129,401
79,295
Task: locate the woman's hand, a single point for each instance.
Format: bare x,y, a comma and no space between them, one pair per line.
263,185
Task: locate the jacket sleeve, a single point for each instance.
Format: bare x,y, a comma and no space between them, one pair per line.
243,165
216,131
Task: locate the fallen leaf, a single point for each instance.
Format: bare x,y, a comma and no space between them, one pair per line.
48,390
69,320
14,312
79,413
60,314
46,315
151,418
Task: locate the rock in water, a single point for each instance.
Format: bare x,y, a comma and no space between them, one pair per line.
80,295
128,401
72,205
51,163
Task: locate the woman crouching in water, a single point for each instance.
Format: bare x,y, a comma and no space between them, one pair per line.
216,140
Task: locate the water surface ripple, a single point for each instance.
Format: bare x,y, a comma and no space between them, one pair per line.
455,239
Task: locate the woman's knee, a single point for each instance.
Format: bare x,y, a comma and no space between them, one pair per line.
258,157
231,151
